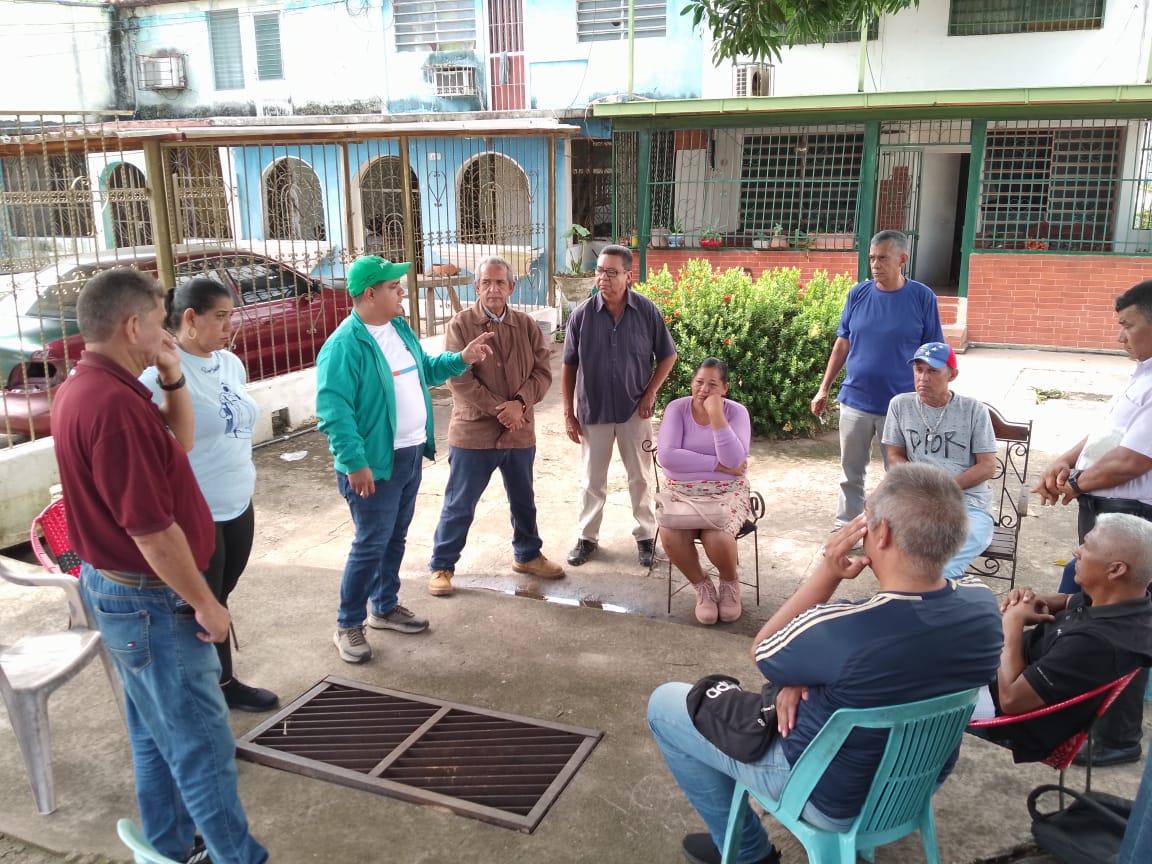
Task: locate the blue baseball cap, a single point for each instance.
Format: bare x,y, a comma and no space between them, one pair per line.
935,354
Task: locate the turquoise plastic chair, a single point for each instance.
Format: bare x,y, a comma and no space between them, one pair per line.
922,735
144,851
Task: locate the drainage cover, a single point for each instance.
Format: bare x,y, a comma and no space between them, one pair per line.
498,768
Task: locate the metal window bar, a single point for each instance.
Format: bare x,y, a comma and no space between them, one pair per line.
200,207
1142,197
607,20
592,185
985,17
849,31
227,56
1061,186
430,25
269,59
454,80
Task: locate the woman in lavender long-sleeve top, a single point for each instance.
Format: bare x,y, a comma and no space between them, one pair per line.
703,448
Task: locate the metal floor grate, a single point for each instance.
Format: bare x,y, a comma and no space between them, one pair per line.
495,767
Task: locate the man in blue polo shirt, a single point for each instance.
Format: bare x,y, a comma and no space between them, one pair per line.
617,354
918,637
884,321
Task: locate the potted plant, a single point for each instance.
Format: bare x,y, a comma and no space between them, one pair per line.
711,239
576,283
675,233
779,241
761,241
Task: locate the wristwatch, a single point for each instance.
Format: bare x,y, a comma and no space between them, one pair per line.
1074,481
520,399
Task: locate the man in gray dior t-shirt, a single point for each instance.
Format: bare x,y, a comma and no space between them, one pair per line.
952,432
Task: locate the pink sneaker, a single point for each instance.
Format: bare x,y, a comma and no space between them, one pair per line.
706,610
729,606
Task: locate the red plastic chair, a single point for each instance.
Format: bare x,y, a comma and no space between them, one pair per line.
59,556
1062,756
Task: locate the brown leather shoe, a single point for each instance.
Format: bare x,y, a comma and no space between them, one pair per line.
440,584
540,567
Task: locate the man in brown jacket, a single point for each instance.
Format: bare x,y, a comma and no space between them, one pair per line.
493,426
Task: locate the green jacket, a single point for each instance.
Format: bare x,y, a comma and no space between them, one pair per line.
356,396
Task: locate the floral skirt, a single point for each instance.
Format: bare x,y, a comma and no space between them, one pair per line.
735,493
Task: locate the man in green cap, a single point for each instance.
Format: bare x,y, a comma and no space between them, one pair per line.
373,403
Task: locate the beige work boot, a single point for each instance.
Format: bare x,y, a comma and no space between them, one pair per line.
540,567
440,584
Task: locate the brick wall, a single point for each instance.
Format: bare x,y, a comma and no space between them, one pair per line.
1063,301
756,260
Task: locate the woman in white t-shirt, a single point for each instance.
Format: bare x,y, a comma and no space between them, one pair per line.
200,317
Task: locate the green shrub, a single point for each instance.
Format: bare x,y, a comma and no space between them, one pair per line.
774,334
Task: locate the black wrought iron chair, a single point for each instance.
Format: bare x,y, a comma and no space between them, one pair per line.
1014,442
749,528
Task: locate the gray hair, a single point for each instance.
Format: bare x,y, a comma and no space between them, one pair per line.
113,296
1130,540
620,252
925,512
898,240
499,262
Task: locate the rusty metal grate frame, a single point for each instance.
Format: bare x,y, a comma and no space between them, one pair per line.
398,745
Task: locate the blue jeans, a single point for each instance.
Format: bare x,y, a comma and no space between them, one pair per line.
979,536
468,474
1137,845
708,777
183,750
372,571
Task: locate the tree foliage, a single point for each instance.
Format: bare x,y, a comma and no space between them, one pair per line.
752,29
774,334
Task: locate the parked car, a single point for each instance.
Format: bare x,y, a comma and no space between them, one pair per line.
281,319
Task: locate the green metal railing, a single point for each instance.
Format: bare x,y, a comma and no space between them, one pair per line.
1066,186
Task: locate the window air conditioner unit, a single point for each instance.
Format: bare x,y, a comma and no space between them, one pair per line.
161,71
752,79
454,80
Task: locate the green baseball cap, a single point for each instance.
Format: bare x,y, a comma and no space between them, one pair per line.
371,270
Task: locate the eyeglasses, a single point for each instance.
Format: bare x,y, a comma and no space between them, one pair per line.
610,272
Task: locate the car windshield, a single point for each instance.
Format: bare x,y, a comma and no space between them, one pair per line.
52,292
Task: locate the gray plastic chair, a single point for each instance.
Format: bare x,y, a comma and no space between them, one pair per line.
33,668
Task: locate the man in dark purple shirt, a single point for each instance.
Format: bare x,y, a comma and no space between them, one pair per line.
144,534
617,354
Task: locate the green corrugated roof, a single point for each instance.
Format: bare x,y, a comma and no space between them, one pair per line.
1124,100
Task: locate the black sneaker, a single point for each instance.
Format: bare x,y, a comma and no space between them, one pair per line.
645,552
199,853
581,552
241,697
699,849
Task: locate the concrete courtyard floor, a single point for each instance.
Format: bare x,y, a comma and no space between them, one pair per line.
589,658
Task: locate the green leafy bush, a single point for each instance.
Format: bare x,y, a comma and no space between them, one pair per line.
774,335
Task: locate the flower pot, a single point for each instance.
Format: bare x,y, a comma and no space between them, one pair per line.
779,242
759,243
675,241
833,241
575,288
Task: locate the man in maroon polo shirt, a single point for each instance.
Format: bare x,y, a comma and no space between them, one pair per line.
144,533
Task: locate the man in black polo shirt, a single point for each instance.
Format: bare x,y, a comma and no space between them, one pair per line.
1080,641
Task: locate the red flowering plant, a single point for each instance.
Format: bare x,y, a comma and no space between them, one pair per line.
774,334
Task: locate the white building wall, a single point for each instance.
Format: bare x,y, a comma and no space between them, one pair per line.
913,51
55,57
